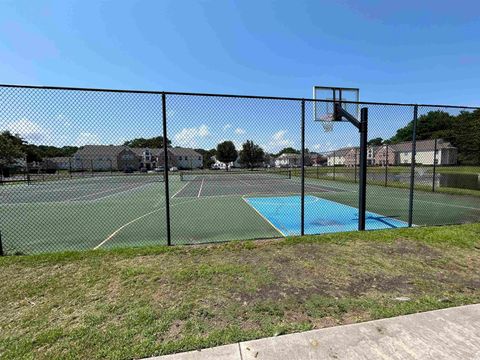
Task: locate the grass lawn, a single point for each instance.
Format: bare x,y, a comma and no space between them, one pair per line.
131,303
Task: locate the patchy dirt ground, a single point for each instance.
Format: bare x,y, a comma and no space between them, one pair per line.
140,302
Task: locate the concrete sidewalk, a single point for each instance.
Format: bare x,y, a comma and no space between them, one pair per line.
443,334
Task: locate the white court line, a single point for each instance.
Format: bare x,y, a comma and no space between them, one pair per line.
264,218
112,235
201,186
183,187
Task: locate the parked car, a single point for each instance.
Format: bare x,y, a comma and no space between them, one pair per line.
159,169
173,169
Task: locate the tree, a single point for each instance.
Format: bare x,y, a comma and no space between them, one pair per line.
152,143
429,126
11,149
226,153
251,154
465,135
207,157
287,150
375,142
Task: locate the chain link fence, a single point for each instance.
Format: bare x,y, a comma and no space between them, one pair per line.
90,168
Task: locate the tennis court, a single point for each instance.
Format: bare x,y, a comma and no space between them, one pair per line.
125,211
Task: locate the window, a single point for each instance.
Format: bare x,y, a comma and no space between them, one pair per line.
179,158
199,158
186,157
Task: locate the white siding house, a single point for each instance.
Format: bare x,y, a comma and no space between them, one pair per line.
446,153
338,157
187,158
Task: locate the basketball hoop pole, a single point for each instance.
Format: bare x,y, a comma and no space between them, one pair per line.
362,127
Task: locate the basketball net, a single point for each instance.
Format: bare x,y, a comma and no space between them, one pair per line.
327,122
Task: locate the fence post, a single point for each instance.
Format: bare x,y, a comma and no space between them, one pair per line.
362,200
165,168
355,168
334,161
1,245
28,173
302,127
386,167
412,166
434,165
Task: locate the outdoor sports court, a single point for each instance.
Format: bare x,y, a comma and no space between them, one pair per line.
119,211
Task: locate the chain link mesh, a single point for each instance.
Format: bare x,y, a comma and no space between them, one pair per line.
85,168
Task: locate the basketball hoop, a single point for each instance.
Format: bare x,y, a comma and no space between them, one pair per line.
324,110
327,122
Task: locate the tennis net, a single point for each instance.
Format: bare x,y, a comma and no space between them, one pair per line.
235,175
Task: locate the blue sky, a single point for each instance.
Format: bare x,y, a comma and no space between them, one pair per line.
408,51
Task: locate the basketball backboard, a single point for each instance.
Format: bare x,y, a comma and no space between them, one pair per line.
324,110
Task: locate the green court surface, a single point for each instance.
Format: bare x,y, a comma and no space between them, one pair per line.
120,211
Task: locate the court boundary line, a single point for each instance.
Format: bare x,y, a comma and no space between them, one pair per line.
200,190
183,187
263,217
113,234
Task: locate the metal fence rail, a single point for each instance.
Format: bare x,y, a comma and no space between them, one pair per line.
100,168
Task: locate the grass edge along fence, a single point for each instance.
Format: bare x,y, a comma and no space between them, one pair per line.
178,199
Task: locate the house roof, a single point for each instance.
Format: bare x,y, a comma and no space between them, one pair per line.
341,151
422,145
102,150
177,151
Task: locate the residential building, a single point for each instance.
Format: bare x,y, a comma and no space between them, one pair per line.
291,160
183,158
317,159
186,158
105,157
397,154
425,152
384,155
337,157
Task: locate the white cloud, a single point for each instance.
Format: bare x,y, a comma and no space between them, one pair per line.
188,136
279,135
87,138
203,131
279,140
29,131
226,127
240,131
